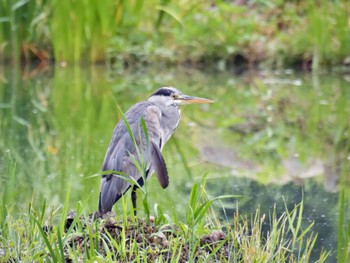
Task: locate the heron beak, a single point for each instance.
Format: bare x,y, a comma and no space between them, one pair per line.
189,100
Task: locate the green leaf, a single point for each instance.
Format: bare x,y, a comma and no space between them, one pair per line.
146,206
46,240
171,12
19,4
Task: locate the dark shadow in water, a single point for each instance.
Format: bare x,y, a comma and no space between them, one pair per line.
320,206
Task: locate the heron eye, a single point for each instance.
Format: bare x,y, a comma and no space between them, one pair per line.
173,96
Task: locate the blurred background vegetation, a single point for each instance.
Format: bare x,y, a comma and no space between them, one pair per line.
306,33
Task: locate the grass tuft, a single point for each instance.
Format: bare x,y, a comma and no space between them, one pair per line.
286,239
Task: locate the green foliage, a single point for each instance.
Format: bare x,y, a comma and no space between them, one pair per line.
283,237
80,29
138,32
199,205
37,239
10,22
343,251
320,33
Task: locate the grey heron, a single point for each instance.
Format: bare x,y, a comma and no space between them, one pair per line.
161,116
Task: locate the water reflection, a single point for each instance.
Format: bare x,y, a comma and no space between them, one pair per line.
295,170
320,206
267,136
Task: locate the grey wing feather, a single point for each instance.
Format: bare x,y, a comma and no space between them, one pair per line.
152,118
159,166
112,186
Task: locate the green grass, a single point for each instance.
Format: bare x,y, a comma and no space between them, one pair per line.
42,235
343,251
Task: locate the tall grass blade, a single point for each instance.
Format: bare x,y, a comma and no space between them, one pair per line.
144,129
43,209
131,134
3,215
60,244
19,4
343,249
65,209
146,206
46,240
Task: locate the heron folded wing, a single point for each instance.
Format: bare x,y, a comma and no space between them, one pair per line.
159,166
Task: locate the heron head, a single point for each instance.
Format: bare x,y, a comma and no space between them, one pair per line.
170,96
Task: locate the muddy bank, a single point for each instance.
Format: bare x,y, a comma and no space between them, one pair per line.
127,240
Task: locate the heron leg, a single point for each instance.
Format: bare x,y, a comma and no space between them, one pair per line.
133,198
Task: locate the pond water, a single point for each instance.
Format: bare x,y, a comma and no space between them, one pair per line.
274,138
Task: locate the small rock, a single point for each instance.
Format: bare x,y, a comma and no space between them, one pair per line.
217,235
159,238
346,61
